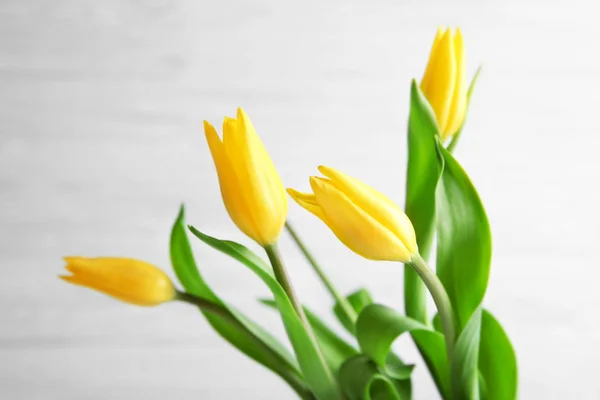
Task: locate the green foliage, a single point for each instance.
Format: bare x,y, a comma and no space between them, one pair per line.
422,175
335,349
313,366
278,359
497,360
464,375
464,251
358,300
360,379
379,326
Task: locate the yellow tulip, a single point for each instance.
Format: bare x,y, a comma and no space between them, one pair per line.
366,221
125,279
444,82
250,186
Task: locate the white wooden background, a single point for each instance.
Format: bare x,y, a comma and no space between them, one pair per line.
101,108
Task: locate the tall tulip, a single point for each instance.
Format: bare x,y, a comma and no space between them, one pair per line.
250,186
444,82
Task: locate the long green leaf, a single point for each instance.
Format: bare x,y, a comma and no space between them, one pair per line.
464,250
361,380
315,370
279,360
497,360
335,349
422,175
464,366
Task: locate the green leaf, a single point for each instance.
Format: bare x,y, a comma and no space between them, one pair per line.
454,141
378,327
436,322
497,360
358,299
335,349
464,250
422,176
315,370
433,351
278,359
361,380
464,367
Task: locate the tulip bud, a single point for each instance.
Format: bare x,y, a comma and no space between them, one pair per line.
125,279
366,221
250,186
444,82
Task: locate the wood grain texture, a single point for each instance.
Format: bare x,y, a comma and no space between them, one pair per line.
101,108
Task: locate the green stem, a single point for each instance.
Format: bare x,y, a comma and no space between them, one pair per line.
281,366
441,300
343,302
284,280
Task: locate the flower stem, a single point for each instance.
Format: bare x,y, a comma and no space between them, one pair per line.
284,280
343,302
440,298
281,367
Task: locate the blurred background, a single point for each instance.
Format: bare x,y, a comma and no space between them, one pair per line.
101,140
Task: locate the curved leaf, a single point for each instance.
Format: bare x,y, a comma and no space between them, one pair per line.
358,299
361,380
335,349
280,360
378,327
422,176
464,370
315,370
464,250
497,360
433,351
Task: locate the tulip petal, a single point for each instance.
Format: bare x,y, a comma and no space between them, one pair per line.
376,204
440,85
232,194
308,201
354,227
125,279
257,179
432,55
458,108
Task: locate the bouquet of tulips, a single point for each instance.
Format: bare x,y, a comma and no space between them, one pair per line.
463,346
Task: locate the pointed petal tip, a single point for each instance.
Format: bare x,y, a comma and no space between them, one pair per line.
318,183
210,132
323,169
207,125
67,278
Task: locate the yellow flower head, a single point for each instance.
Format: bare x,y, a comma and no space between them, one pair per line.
366,221
444,83
125,279
250,186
